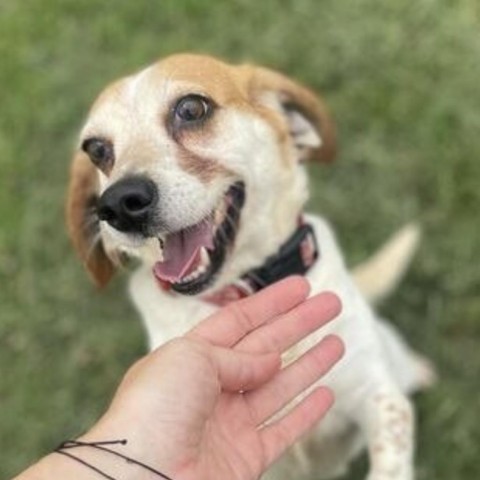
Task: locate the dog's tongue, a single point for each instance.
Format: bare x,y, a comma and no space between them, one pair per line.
181,252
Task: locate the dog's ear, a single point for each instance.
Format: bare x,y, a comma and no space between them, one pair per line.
309,122
81,219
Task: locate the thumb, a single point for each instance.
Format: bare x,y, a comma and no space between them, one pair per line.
244,371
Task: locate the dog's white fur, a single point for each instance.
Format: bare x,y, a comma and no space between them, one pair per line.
252,140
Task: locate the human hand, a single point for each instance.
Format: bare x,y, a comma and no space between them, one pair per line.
181,407
205,406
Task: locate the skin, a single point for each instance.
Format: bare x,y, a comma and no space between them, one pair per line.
198,407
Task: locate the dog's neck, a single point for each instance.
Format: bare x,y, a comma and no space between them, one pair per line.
295,257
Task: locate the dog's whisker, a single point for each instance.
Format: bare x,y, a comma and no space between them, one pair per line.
96,239
90,221
91,210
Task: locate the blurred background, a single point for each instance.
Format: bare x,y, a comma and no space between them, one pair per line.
403,81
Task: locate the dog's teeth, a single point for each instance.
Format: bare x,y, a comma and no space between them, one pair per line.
200,270
161,248
220,213
161,241
218,217
204,258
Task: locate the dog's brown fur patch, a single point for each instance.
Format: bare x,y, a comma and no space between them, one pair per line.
205,169
82,192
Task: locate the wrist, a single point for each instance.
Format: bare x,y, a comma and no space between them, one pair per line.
144,446
120,457
59,466
90,460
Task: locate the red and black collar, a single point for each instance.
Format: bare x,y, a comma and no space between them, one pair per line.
295,257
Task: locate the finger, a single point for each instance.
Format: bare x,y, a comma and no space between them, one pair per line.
227,326
294,379
277,437
244,371
293,326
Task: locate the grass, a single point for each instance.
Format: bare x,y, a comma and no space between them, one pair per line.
402,79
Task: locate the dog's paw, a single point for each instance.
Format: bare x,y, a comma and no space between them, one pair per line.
393,469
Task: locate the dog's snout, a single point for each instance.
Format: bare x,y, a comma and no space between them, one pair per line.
128,204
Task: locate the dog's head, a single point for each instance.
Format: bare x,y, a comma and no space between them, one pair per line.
195,167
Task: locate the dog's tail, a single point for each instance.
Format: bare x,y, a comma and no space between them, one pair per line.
379,275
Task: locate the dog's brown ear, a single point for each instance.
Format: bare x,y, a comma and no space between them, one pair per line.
309,121
81,220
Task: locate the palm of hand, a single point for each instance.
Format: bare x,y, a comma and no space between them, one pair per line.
183,405
232,446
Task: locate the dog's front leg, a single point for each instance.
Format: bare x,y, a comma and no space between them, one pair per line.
388,423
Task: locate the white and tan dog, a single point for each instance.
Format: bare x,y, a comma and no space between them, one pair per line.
196,168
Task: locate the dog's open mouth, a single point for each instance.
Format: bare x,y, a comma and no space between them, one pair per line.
194,255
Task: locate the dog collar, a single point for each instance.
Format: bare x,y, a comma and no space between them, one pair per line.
295,257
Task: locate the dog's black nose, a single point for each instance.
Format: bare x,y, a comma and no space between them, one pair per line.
128,204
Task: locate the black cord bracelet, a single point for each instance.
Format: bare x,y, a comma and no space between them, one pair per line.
73,444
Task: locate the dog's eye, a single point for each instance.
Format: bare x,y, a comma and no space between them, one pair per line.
100,152
192,108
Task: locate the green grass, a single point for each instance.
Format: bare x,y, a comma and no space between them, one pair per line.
402,78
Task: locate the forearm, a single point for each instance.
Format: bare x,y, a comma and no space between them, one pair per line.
83,463
56,466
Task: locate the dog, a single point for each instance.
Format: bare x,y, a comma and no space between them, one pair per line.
197,168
